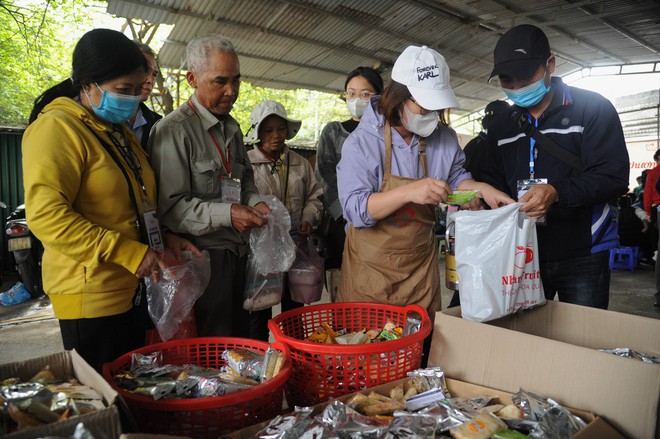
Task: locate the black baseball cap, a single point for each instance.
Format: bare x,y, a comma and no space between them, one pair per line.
520,51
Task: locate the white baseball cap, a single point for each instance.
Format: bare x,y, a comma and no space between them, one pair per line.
426,74
262,111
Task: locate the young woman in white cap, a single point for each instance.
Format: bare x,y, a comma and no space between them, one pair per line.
396,167
360,86
286,175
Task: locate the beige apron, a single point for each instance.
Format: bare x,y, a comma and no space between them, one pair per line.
395,261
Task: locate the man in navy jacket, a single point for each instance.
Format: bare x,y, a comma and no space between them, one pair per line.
576,225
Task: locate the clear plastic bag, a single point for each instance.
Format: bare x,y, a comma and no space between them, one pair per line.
272,251
272,248
171,300
306,274
261,291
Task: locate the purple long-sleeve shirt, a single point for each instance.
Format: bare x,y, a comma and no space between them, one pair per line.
360,170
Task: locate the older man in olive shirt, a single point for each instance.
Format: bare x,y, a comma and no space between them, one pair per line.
206,186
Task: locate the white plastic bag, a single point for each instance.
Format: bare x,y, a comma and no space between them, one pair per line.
171,300
497,262
271,253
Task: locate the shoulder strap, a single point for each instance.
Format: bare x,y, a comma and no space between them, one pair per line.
546,143
131,193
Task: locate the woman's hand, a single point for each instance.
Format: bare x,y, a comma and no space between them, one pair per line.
151,264
427,191
176,244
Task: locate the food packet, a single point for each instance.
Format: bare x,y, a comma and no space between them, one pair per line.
482,426
316,430
413,426
272,364
336,413
629,353
358,426
471,404
429,378
323,334
287,426
446,415
554,421
149,360
246,363
413,324
557,423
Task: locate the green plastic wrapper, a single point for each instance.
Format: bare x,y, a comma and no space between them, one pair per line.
458,198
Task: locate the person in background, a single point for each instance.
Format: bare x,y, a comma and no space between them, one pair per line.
475,148
144,118
639,189
90,195
360,86
288,176
567,187
651,206
206,185
398,164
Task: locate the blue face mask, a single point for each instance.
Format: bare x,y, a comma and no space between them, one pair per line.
115,107
529,95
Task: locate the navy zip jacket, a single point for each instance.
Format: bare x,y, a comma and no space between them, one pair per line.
586,124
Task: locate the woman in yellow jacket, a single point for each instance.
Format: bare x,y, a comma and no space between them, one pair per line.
89,196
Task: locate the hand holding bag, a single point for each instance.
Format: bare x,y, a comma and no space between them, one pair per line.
271,253
497,262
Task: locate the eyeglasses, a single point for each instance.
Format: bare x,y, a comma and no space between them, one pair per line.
364,95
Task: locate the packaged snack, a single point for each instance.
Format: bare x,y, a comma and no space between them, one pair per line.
323,334
407,425
246,363
479,427
273,361
458,198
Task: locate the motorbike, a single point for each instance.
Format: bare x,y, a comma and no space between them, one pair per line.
26,250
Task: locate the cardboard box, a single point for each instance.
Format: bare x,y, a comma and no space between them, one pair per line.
597,428
552,351
102,423
150,436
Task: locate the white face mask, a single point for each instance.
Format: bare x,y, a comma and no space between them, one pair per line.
421,124
357,107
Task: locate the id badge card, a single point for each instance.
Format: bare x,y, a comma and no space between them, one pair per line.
152,227
525,185
231,189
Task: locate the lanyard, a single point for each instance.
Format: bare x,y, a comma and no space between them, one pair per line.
131,160
533,151
277,163
225,161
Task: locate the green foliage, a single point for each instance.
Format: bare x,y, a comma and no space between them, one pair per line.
36,42
313,108
37,38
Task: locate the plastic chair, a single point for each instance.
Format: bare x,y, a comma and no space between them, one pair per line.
624,257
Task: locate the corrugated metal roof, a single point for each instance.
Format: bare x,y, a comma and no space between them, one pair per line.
314,43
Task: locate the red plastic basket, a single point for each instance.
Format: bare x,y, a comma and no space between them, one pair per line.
322,371
203,417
